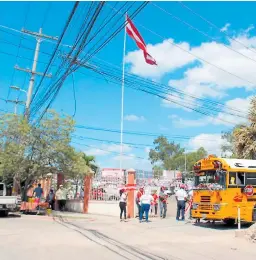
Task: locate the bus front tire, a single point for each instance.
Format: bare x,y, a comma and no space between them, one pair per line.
229,222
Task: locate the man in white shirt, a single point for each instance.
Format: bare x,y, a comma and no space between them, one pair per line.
145,201
181,197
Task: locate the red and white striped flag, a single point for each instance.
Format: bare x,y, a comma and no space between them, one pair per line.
135,35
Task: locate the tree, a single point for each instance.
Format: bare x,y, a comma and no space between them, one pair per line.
245,136
165,152
157,171
185,162
170,156
90,162
228,148
28,152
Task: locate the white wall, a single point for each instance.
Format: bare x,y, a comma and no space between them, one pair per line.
107,208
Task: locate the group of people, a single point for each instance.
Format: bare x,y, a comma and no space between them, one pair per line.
60,196
147,202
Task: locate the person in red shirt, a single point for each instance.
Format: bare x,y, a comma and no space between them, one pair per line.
163,202
139,194
154,203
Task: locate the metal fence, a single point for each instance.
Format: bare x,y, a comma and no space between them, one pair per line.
106,188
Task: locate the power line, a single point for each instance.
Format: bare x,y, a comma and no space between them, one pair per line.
18,51
215,103
57,86
134,145
59,83
74,93
215,26
46,14
57,46
201,32
140,133
24,47
199,58
117,153
131,82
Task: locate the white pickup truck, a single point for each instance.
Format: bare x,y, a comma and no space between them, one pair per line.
7,203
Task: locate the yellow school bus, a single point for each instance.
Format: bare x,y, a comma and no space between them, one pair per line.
221,187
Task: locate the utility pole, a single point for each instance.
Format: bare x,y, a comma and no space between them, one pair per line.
39,38
16,103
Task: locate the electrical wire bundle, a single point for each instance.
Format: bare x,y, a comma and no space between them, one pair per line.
97,29
206,107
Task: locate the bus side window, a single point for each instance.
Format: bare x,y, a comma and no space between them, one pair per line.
240,178
251,178
232,178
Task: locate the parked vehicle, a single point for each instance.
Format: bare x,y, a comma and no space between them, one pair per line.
222,186
7,203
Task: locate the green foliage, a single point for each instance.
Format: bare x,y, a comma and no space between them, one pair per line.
165,152
157,171
243,137
170,156
28,152
90,162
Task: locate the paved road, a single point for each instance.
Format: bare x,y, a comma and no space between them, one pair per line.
96,237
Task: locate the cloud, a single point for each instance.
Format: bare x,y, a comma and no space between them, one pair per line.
225,27
104,149
238,107
200,78
251,27
163,128
147,150
131,161
168,57
96,152
210,142
134,118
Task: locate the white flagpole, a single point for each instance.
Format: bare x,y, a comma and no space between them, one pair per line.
122,102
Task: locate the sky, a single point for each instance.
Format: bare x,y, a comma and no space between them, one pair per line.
98,102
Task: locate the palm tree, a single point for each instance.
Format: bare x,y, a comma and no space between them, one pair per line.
245,135
90,162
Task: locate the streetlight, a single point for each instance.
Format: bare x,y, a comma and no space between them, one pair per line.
17,102
19,89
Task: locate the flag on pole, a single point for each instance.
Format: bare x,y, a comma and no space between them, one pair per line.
135,35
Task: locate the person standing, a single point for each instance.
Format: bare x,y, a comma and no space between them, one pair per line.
139,194
61,197
190,194
145,201
70,194
51,199
162,203
181,197
38,191
154,204
122,204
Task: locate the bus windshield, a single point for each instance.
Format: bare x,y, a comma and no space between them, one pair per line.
212,180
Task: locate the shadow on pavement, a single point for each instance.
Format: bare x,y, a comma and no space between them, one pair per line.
221,226
12,215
